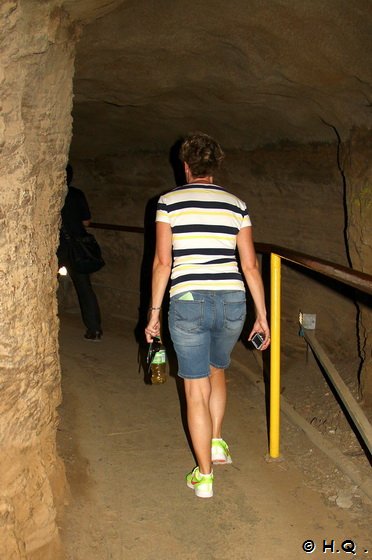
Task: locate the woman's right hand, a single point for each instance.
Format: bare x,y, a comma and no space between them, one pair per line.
261,326
153,326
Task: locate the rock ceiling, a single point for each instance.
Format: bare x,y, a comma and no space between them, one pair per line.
250,72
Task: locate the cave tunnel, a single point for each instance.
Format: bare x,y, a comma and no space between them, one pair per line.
111,86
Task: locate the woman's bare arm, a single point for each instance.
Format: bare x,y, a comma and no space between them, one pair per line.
160,275
252,275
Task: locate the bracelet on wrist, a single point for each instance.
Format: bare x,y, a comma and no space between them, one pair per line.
154,308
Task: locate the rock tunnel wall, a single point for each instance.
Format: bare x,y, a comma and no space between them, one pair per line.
37,51
358,171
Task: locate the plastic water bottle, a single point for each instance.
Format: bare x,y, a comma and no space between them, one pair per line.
158,363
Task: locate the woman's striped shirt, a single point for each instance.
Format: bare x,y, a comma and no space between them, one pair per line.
205,220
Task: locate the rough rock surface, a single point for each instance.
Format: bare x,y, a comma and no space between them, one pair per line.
37,53
250,73
358,171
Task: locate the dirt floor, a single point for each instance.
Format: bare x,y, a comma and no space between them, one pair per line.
126,454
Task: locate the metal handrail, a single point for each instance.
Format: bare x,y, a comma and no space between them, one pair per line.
353,278
356,279
131,229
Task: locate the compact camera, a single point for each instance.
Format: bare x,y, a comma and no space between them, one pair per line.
257,340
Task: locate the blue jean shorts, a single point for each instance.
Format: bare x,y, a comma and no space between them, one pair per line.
205,329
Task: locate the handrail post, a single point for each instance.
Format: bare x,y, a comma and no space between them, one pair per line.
275,266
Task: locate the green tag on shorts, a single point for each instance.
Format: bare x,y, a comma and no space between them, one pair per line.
187,296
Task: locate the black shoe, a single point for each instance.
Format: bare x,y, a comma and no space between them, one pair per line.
95,336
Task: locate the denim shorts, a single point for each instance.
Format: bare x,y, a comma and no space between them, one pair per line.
204,329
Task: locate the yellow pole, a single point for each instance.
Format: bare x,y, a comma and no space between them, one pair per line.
275,357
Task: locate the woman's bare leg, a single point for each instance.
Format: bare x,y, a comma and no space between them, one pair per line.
217,401
199,420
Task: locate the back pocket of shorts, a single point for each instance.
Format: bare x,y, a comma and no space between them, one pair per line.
234,314
188,315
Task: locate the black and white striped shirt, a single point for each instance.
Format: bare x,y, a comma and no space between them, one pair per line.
205,220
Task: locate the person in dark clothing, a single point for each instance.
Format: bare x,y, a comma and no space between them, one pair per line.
75,218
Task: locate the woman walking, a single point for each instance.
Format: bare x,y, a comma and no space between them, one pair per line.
199,226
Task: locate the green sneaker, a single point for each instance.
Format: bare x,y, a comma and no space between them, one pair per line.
201,483
220,452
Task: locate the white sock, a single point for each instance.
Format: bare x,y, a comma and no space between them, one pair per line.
203,474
